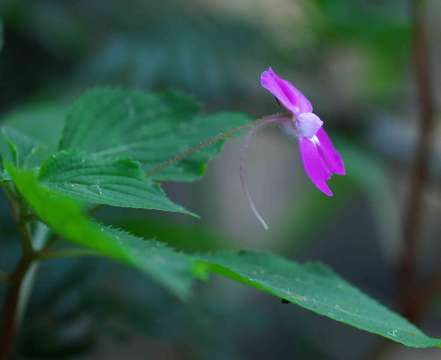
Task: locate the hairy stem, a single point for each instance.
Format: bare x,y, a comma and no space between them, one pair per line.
413,212
211,141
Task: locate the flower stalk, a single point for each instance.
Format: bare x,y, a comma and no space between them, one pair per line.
242,170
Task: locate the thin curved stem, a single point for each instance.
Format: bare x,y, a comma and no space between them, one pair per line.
242,171
211,141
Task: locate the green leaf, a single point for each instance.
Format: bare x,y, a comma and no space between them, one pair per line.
96,180
65,217
166,265
21,147
186,237
316,288
312,286
150,128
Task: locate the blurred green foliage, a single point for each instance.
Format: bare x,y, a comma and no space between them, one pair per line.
379,31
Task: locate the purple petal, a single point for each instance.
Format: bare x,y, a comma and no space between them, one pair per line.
327,150
314,165
290,97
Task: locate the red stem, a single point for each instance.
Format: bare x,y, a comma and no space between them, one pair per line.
10,326
413,215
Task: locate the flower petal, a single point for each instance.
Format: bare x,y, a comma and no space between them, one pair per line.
329,154
314,165
308,124
288,95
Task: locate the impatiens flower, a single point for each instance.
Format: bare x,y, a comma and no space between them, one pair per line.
319,157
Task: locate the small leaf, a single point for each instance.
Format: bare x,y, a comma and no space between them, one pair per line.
21,147
65,217
150,128
96,180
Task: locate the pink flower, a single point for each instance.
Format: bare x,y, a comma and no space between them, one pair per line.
320,159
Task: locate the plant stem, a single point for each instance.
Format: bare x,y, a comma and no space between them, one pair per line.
39,241
21,280
414,300
21,217
10,321
413,213
25,235
211,141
